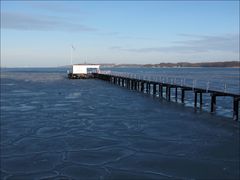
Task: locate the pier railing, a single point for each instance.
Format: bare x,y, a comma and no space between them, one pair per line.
162,84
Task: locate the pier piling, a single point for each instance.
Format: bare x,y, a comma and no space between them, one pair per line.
200,97
213,102
183,95
160,90
235,108
176,94
195,99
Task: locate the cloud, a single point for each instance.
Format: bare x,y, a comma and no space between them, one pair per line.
226,43
116,47
22,21
229,42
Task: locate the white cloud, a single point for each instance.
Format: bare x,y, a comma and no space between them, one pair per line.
225,43
23,21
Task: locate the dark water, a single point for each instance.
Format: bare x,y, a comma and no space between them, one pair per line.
55,128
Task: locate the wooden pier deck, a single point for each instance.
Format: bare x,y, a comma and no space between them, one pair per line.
156,87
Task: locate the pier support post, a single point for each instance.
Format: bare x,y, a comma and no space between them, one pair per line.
135,85
160,90
142,86
195,99
131,84
128,83
183,89
168,93
176,94
147,86
154,89
235,108
183,95
200,98
213,102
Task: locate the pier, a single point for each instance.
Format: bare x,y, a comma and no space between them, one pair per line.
165,90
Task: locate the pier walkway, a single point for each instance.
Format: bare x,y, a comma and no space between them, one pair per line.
165,87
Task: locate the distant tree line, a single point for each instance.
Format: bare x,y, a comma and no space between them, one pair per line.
184,64
203,64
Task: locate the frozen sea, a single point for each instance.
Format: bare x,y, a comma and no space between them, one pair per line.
55,128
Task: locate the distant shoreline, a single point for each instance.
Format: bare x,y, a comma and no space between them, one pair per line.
229,64
225,64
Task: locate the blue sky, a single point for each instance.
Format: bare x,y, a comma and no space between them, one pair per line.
41,33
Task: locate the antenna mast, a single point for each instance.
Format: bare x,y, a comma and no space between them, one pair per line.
72,48
71,56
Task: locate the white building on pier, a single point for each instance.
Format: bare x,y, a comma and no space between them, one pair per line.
83,70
